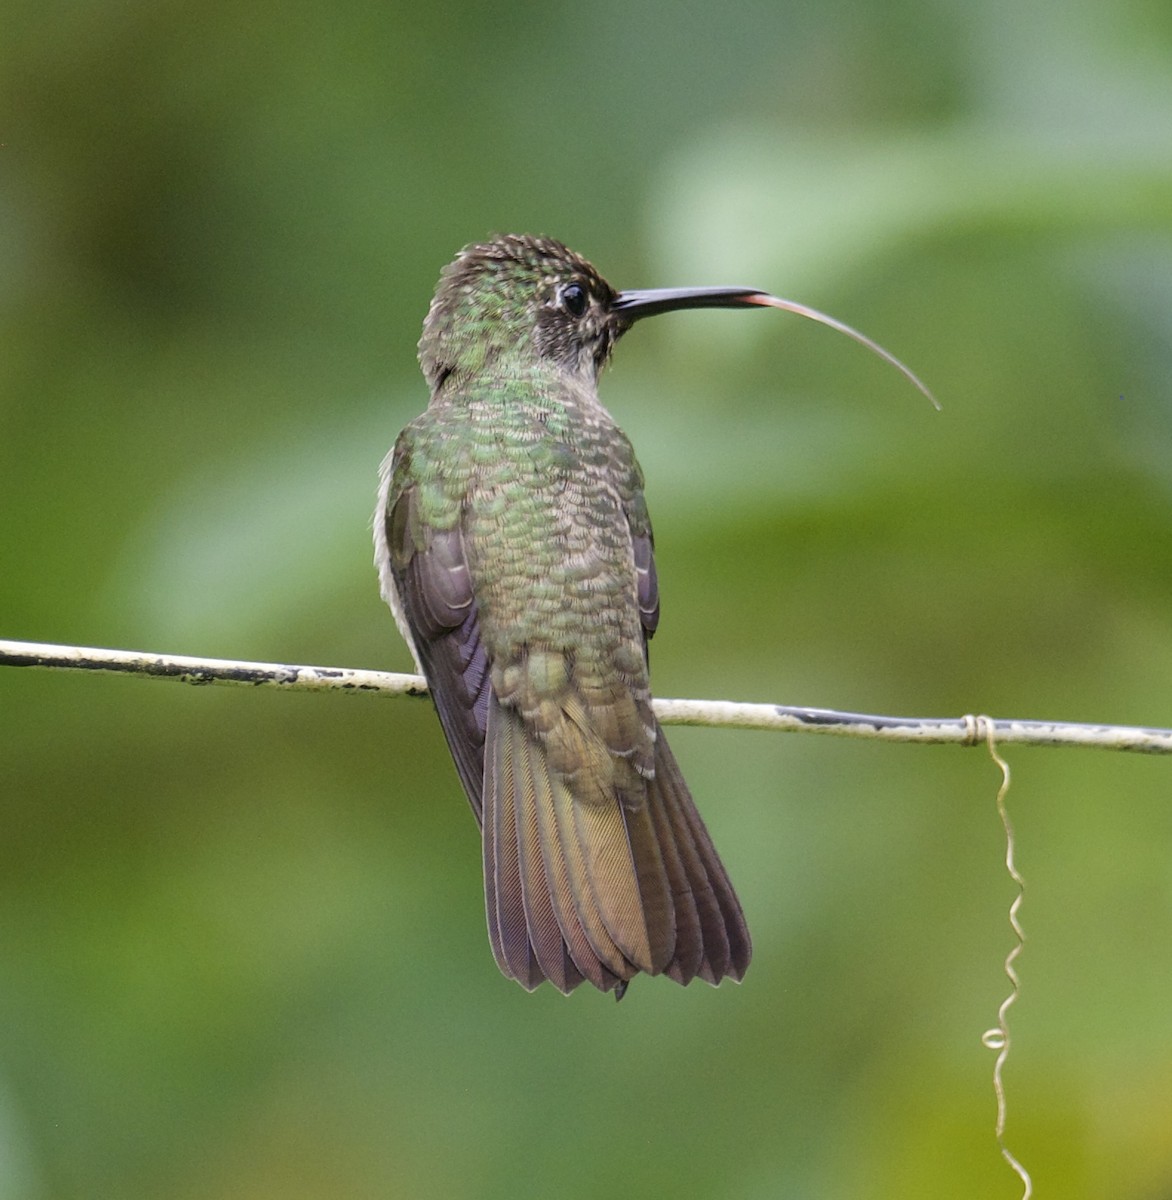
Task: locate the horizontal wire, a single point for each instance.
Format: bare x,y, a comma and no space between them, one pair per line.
965,730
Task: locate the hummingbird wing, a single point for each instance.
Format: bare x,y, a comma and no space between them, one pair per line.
431,594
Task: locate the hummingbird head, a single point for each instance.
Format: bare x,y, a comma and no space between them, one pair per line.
518,295
534,299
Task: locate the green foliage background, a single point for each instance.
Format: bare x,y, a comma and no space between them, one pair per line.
242,951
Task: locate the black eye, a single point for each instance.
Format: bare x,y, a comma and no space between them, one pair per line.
573,299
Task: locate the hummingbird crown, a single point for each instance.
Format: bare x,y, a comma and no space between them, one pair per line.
523,295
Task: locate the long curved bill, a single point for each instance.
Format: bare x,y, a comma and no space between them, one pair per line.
634,305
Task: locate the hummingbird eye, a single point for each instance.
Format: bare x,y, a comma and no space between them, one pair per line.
573,299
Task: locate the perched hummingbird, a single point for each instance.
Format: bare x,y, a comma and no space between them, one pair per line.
514,547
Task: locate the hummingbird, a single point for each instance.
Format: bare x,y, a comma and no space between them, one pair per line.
514,547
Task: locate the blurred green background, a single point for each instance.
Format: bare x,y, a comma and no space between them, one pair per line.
242,948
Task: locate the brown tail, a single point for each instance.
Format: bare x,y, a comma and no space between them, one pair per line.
600,891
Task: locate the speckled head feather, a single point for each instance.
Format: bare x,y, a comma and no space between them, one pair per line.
523,294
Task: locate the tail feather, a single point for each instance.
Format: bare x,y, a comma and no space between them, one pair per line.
577,889
504,900
523,799
689,944
541,921
579,948
655,908
582,885
612,885
673,798
727,945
